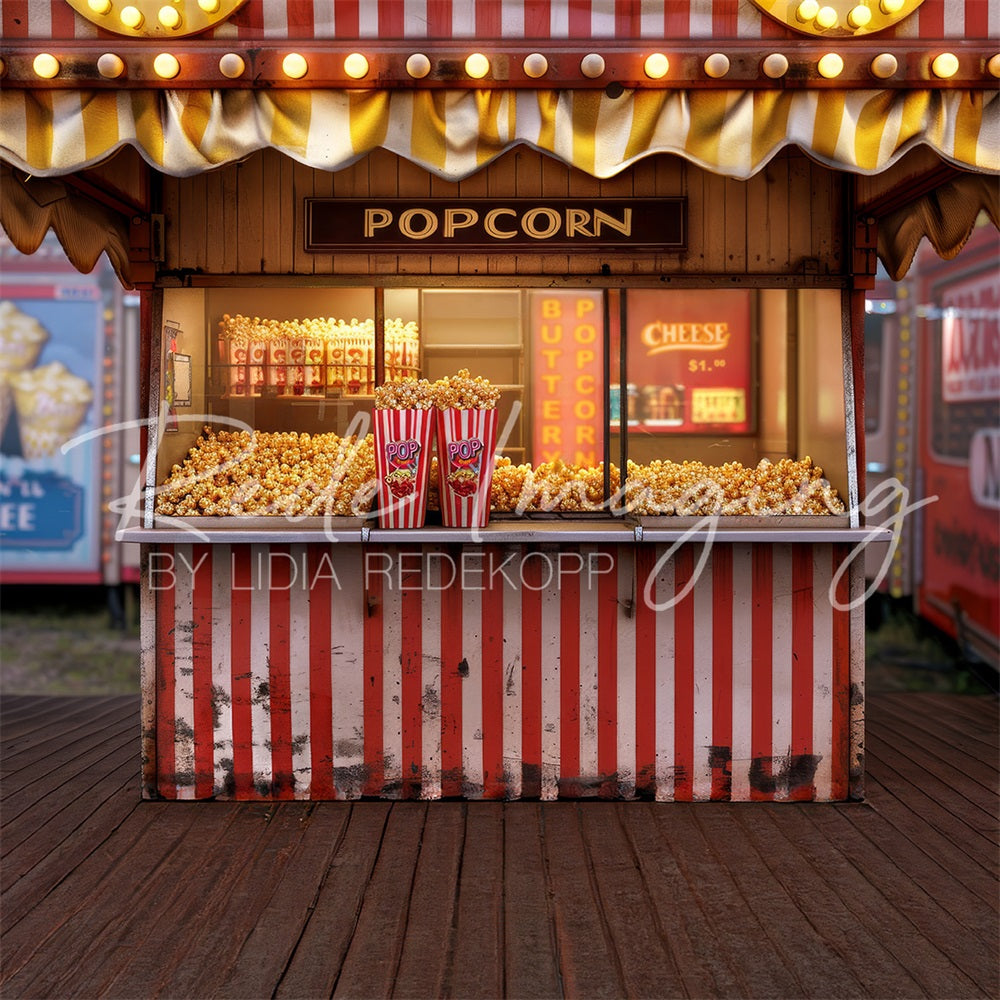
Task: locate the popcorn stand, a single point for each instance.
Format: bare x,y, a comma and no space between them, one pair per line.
503,368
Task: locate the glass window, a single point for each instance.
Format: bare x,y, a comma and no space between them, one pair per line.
720,379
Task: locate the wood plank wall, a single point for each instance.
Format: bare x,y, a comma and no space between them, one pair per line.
247,218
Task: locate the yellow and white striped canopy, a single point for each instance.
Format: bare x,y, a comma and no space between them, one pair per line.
453,133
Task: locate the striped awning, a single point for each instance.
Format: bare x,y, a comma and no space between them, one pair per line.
454,133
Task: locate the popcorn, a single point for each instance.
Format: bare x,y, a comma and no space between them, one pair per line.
308,356
280,473
463,392
692,488
406,394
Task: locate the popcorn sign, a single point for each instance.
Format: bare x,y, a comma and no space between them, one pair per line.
463,465
401,457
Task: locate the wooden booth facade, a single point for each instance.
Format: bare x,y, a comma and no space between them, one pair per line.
650,226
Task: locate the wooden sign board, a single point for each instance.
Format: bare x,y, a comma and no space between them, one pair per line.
339,225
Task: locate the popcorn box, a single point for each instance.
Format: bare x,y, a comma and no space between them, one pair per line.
466,444
238,354
297,368
277,365
315,368
403,444
258,359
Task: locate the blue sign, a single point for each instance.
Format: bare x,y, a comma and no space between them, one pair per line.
40,511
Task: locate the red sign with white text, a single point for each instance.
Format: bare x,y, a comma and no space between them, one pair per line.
567,339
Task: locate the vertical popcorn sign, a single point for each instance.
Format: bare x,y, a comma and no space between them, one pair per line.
567,338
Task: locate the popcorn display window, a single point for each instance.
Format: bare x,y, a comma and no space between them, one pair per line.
615,403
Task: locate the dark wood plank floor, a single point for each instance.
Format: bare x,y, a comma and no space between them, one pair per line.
107,896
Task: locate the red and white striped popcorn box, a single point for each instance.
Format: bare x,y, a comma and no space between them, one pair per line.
404,441
257,356
277,365
467,440
315,366
296,379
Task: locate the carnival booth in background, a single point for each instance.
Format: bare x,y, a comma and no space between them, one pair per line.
633,238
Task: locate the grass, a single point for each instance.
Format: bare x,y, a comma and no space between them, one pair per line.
61,641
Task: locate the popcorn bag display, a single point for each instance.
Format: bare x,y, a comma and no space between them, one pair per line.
466,444
21,340
403,444
51,405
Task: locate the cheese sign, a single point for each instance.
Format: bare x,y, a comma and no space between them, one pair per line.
689,361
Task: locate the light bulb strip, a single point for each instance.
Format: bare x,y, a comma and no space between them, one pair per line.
790,66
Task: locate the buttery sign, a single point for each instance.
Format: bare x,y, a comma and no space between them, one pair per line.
513,224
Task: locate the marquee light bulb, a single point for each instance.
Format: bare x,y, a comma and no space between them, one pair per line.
826,17
99,6
656,66
535,65
884,65
232,65
169,17
294,66
110,66
717,65
477,65
209,6
418,65
994,65
945,65
807,10
131,17
356,66
592,65
891,6
830,66
775,65
45,65
166,66
860,16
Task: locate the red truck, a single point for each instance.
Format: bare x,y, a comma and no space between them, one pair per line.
932,421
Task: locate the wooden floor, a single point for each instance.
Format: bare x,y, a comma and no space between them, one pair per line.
107,896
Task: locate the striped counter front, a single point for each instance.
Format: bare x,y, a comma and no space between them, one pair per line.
329,671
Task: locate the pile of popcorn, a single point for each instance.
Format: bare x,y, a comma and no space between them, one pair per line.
693,488
230,473
459,392
667,488
552,486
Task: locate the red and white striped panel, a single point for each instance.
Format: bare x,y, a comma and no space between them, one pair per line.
334,671
504,19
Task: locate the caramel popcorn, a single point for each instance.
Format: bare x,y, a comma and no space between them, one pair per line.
693,488
230,473
406,394
463,392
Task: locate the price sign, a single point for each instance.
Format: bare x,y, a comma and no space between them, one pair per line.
718,406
